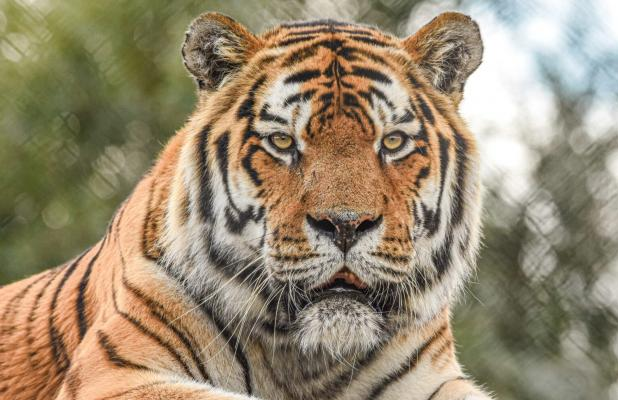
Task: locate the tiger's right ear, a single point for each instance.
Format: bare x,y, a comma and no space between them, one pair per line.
447,50
215,47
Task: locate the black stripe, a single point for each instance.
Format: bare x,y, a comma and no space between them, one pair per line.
111,352
303,76
380,95
407,116
367,96
413,81
143,329
461,150
368,118
442,257
59,351
354,115
421,281
332,30
427,113
418,218
444,145
422,174
234,268
319,22
233,345
151,304
236,222
157,310
335,70
13,305
298,97
31,315
222,150
206,197
390,257
155,307
246,163
294,40
146,250
408,365
245,110
422,134
134,389
369,40
370,73
350,53
429,217
444,162
299,55
266,116
293,257
347,85
331,389
350,100
80,303
326,98
331,44
435,392
236,219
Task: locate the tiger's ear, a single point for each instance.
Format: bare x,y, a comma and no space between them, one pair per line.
447,50
215,47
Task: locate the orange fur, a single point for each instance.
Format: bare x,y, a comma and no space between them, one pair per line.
113,323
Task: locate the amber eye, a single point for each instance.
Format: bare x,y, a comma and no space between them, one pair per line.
393,141
281,141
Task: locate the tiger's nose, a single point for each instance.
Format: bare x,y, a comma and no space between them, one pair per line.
344,228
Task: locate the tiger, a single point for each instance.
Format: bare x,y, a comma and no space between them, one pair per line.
303,236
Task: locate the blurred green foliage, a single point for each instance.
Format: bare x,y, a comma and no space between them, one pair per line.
91,91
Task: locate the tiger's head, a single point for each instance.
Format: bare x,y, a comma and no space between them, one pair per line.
328,175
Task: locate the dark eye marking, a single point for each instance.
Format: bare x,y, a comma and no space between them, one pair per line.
266,116
298,97
247,163
377,93
406,117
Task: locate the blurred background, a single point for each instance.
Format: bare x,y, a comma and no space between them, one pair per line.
90,92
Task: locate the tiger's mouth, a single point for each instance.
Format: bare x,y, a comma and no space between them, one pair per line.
344,282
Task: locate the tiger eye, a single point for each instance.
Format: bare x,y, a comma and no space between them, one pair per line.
393,142
281,141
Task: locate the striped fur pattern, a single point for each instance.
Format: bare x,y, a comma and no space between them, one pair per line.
241,268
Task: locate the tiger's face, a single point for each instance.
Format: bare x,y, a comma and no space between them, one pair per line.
336,157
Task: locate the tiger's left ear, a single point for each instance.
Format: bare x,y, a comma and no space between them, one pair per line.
215,47
447,50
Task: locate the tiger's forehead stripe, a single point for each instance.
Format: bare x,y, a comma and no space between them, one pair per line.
351,40
369,66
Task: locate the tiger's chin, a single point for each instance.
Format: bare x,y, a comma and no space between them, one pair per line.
340,325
